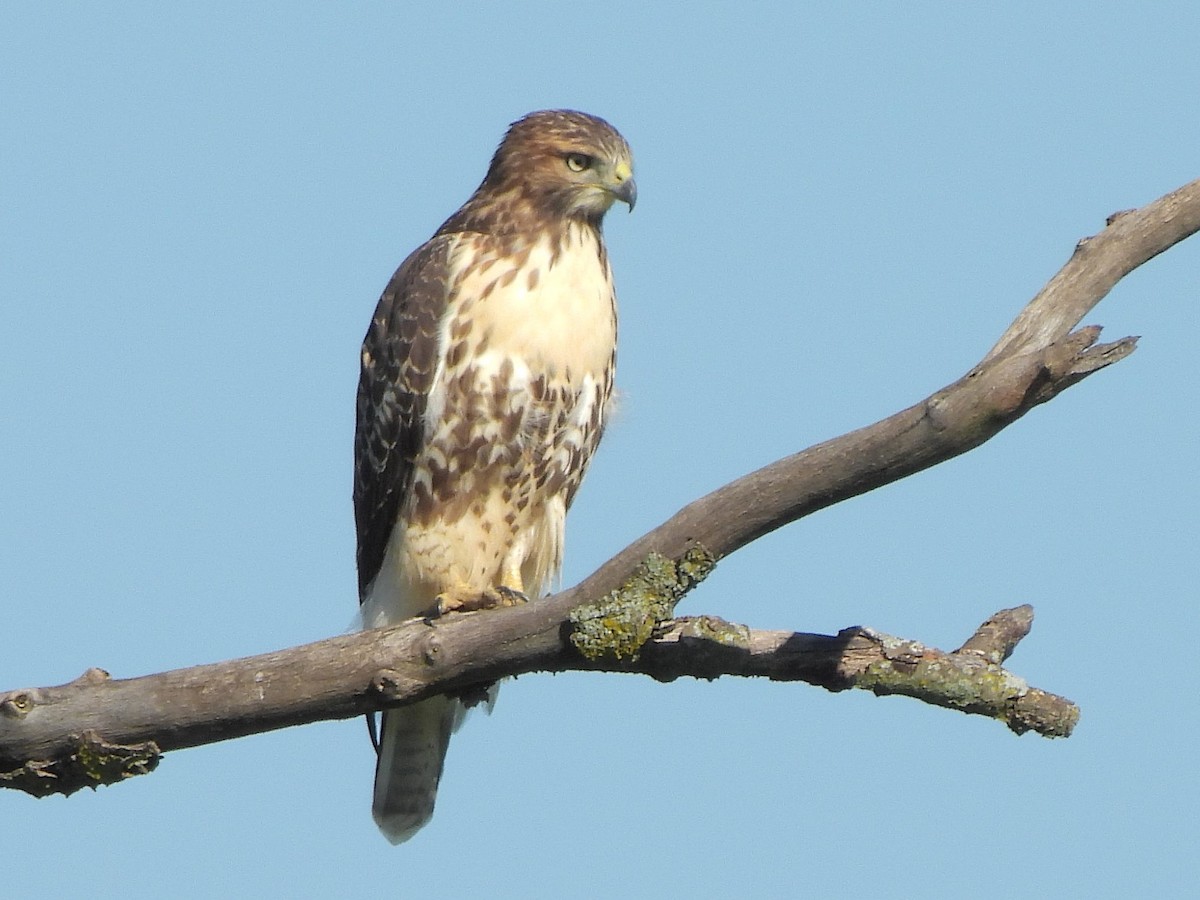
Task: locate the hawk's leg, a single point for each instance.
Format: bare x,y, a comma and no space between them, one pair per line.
511,589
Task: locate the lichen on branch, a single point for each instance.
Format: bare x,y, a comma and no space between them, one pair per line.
617,626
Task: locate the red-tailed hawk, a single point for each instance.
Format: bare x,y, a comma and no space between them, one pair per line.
486,373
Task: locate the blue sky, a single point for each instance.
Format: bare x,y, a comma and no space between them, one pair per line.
840,210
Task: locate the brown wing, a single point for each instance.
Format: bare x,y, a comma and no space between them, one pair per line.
399,359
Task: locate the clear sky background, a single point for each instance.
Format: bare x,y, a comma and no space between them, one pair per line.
840,211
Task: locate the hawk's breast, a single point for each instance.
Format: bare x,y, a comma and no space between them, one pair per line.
526,352
550,304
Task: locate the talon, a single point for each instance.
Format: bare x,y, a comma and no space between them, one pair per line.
470,601
447,603
506,596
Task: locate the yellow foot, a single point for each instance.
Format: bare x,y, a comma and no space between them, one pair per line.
469,601
506,596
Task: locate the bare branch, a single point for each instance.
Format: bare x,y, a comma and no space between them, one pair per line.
968,679
50,738
96,729
1131,238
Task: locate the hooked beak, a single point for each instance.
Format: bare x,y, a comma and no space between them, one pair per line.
624,188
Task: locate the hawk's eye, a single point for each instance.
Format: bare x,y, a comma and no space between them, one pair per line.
577,162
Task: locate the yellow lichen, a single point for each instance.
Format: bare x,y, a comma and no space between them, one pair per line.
617,626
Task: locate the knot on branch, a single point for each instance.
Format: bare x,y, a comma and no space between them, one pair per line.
16,704
617,626
394,685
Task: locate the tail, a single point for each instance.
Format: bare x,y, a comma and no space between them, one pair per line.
412,749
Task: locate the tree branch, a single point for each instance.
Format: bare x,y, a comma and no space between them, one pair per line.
1132,237
96,730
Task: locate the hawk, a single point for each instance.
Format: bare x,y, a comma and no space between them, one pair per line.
486,375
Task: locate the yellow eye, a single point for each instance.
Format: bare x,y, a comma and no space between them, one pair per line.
577,162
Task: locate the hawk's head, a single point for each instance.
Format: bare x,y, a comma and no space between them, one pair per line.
563,164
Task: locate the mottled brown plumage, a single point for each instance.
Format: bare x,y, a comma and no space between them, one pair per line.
486,374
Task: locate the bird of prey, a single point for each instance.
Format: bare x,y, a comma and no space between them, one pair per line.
486,375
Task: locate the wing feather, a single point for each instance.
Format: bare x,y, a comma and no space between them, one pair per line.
399,360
